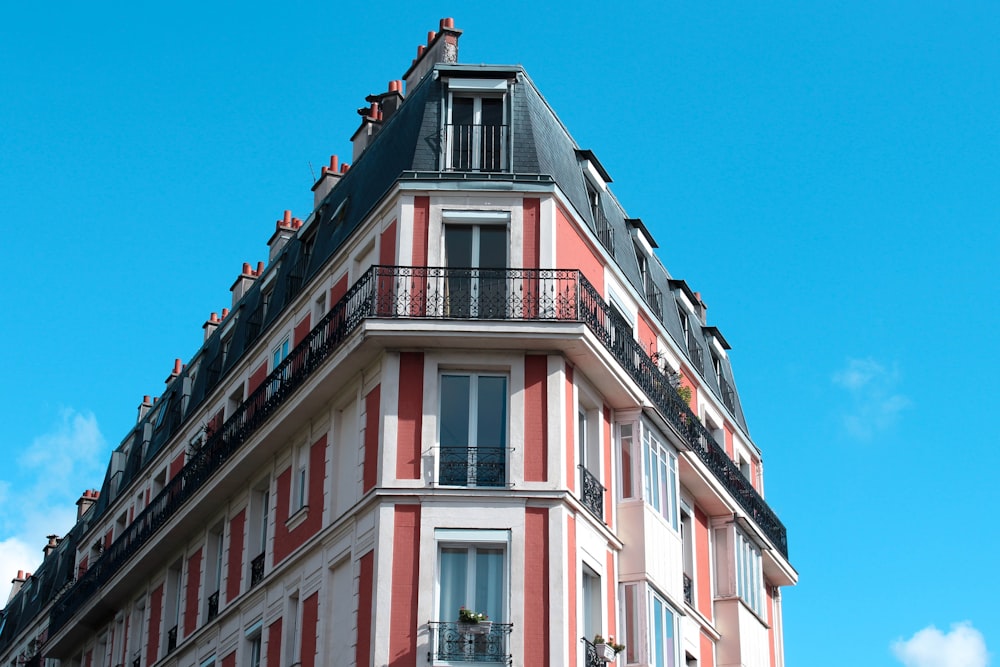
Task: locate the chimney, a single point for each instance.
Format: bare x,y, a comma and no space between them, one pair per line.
243,282
283,230
210,325
442,47
144,408
371,119
327,180
389,101
701,306
16,583
54,541
85,502
178,367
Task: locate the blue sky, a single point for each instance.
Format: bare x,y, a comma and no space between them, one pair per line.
826,177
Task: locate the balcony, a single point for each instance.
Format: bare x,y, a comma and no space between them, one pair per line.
654,297
688,589
256,570
452,642
398,292
171,639
477,147
213,605
592,493
728,395
696,354
472,466
605,232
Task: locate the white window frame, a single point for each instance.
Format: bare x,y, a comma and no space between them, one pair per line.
280,352
456,538
473,414
749,572
660,459
477,90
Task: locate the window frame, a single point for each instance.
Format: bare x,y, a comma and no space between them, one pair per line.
664,499
472,426
477,90
471,540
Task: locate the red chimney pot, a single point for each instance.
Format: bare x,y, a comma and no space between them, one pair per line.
447,23
334,161
430,36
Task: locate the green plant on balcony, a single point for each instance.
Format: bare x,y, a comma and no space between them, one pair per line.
473,622
607,650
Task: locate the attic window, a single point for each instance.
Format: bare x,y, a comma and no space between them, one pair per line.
476,130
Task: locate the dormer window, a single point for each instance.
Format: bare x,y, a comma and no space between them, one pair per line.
475,126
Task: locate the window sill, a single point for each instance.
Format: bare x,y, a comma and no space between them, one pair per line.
297,517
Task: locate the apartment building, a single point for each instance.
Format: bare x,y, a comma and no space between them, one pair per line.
463,381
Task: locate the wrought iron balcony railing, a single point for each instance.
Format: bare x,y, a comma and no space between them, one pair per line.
592,493
256,570
171,639
477,147
688,589
213,605
654,297
394,292
458,642
472,466
605,232
696,354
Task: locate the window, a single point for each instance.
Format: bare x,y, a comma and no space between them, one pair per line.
319,307
660,479
279,353
687,544
213,571
592,616
663,644
473,430
627,452
472,576
253,655
588,443
476,257
300,478
749,577
259,506
476,133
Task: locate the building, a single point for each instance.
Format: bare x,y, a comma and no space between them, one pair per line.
463,380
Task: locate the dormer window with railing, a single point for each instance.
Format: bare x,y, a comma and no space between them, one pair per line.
476,129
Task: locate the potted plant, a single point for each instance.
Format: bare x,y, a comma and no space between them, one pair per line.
473,622
607,650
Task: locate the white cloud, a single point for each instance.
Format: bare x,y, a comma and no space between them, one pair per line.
39,494
874,403
964,646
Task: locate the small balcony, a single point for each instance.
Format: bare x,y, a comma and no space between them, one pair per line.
696,354
256,570
472,466
688,589
477,147
171,639
592,493
213,605
460,642
728,395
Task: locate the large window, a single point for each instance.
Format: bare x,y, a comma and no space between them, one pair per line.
472,576
476,257
748,573
476,133
660,477
663,642
473,430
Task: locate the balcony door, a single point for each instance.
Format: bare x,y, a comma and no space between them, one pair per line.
473,430
476,257
476,133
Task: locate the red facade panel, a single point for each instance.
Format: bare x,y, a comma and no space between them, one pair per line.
536,579
609,478
191,595
536,432
229,660
572,252
421,216
707,651
363,650
532,233
257,377
387,247
405,580
411,412
370,473
274,643
310,630
302,329
338,290
176,465
611,579
703,587
153,631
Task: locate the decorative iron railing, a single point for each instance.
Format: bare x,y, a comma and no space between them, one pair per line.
477,147
392,292
472,466
213,605
591,493
256,570
654,297
728,395
137,658
605,232
597,655
696,354
461,642
688,589
171,639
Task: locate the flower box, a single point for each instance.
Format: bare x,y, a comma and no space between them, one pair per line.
605,653
480,628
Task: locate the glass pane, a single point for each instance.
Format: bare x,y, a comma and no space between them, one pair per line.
489,583
458,245
461,110
454,410
492,111
454,575
492,247
658,638
491,428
